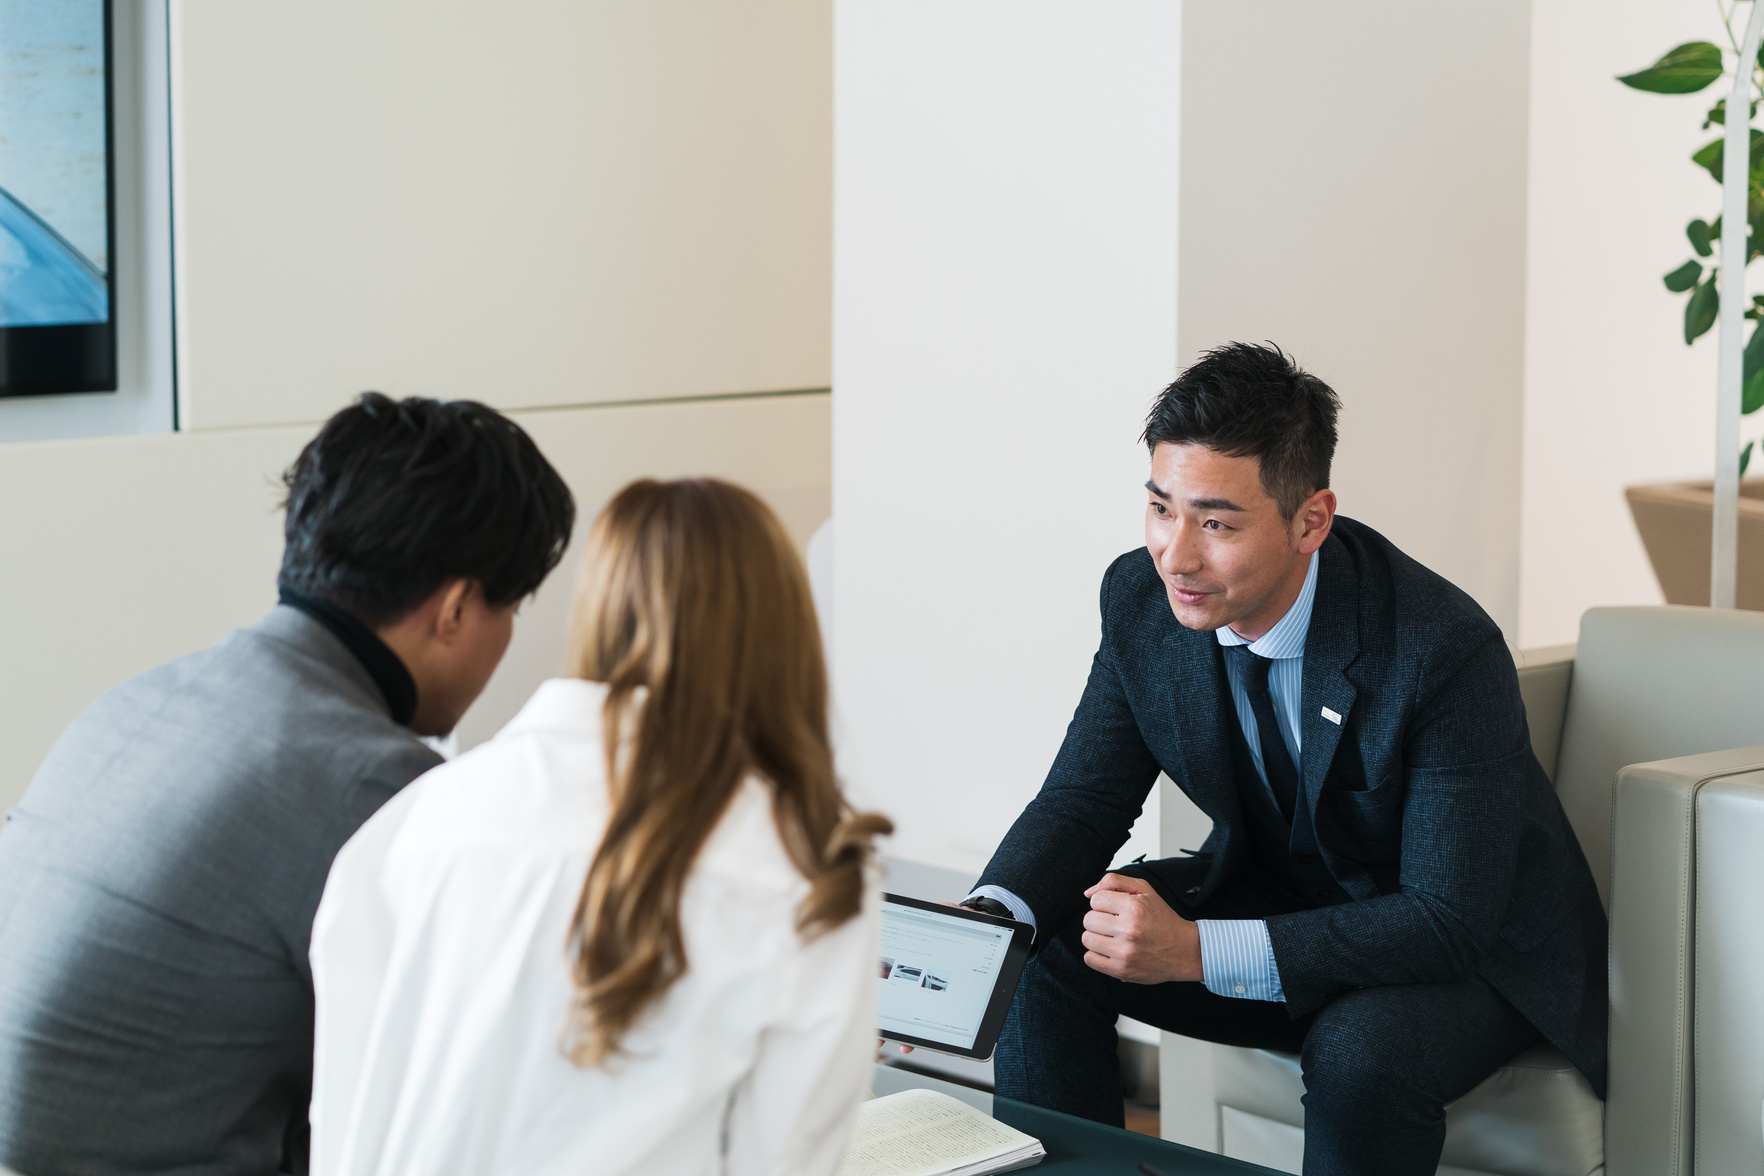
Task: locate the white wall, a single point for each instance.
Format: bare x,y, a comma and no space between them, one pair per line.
133,551
1612,395
1004,311
543,203
1353,188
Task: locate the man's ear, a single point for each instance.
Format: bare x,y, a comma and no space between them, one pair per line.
1313,520
450,618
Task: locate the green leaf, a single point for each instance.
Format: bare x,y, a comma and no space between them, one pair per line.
1684,70
1754,361
1698,232
1752,392
1754,353
1699,312
1710,154
1752,373
1684,277
1746,457
1718,112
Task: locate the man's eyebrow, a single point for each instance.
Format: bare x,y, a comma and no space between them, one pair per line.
1197,503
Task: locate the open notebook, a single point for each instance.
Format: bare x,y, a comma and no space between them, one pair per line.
924,1133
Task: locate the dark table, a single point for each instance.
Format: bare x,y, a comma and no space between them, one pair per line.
1077,1147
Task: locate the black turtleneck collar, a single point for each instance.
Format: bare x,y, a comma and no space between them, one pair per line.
375,656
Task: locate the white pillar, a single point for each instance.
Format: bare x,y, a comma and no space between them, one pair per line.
1005,223
1005,186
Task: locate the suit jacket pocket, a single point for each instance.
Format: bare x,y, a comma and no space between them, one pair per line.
1373,815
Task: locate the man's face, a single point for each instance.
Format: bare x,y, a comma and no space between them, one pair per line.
1224,553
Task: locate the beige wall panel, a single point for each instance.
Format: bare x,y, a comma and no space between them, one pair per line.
1353,188
120,554
533,203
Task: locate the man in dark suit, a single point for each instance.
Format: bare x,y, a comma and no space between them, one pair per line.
1390,888
159,878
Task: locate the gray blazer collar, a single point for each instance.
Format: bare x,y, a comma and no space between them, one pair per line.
292,628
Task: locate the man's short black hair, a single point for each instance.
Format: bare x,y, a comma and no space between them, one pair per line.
394,498
1244,400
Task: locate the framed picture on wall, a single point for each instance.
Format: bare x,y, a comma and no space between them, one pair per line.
57,198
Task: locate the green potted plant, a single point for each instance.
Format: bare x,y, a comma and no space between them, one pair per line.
1674,518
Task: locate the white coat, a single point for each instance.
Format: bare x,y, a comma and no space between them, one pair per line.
443,988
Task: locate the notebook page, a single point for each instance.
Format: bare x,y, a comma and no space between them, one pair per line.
923,1133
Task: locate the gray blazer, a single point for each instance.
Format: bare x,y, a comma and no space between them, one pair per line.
157,889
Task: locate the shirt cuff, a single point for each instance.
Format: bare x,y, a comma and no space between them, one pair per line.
1019,909
1237,959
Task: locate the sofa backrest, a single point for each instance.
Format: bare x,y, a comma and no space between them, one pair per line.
1652,683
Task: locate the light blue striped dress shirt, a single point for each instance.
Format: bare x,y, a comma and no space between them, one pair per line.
1237,958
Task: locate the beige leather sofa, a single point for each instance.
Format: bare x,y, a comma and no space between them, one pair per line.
1632,725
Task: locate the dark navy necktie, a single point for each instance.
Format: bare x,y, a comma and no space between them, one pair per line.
1252,675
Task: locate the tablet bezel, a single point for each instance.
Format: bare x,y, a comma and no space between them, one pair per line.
1003,988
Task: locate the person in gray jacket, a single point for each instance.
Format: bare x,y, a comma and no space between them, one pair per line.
159,878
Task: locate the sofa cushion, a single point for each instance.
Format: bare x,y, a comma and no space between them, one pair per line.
1535,1116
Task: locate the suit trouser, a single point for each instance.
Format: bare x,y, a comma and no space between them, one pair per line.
1380,1064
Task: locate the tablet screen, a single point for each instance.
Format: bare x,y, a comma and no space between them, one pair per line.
938,973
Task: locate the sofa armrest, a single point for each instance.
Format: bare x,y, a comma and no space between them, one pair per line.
1675,828
1728,1018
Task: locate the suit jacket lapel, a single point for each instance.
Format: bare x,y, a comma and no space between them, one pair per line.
1198,716
1331,645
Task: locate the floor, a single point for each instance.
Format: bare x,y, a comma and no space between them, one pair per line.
1142,1118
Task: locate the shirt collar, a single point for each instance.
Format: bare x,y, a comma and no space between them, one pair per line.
565,704
1287,637
375,656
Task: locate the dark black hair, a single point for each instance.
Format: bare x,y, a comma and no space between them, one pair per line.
394,498
1244,400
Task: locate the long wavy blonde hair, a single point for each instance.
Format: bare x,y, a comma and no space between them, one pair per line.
694,609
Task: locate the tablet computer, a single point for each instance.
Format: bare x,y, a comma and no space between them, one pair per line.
947,975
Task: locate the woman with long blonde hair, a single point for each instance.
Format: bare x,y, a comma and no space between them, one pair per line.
635,932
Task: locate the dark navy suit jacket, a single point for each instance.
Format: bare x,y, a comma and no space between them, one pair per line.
1427,804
